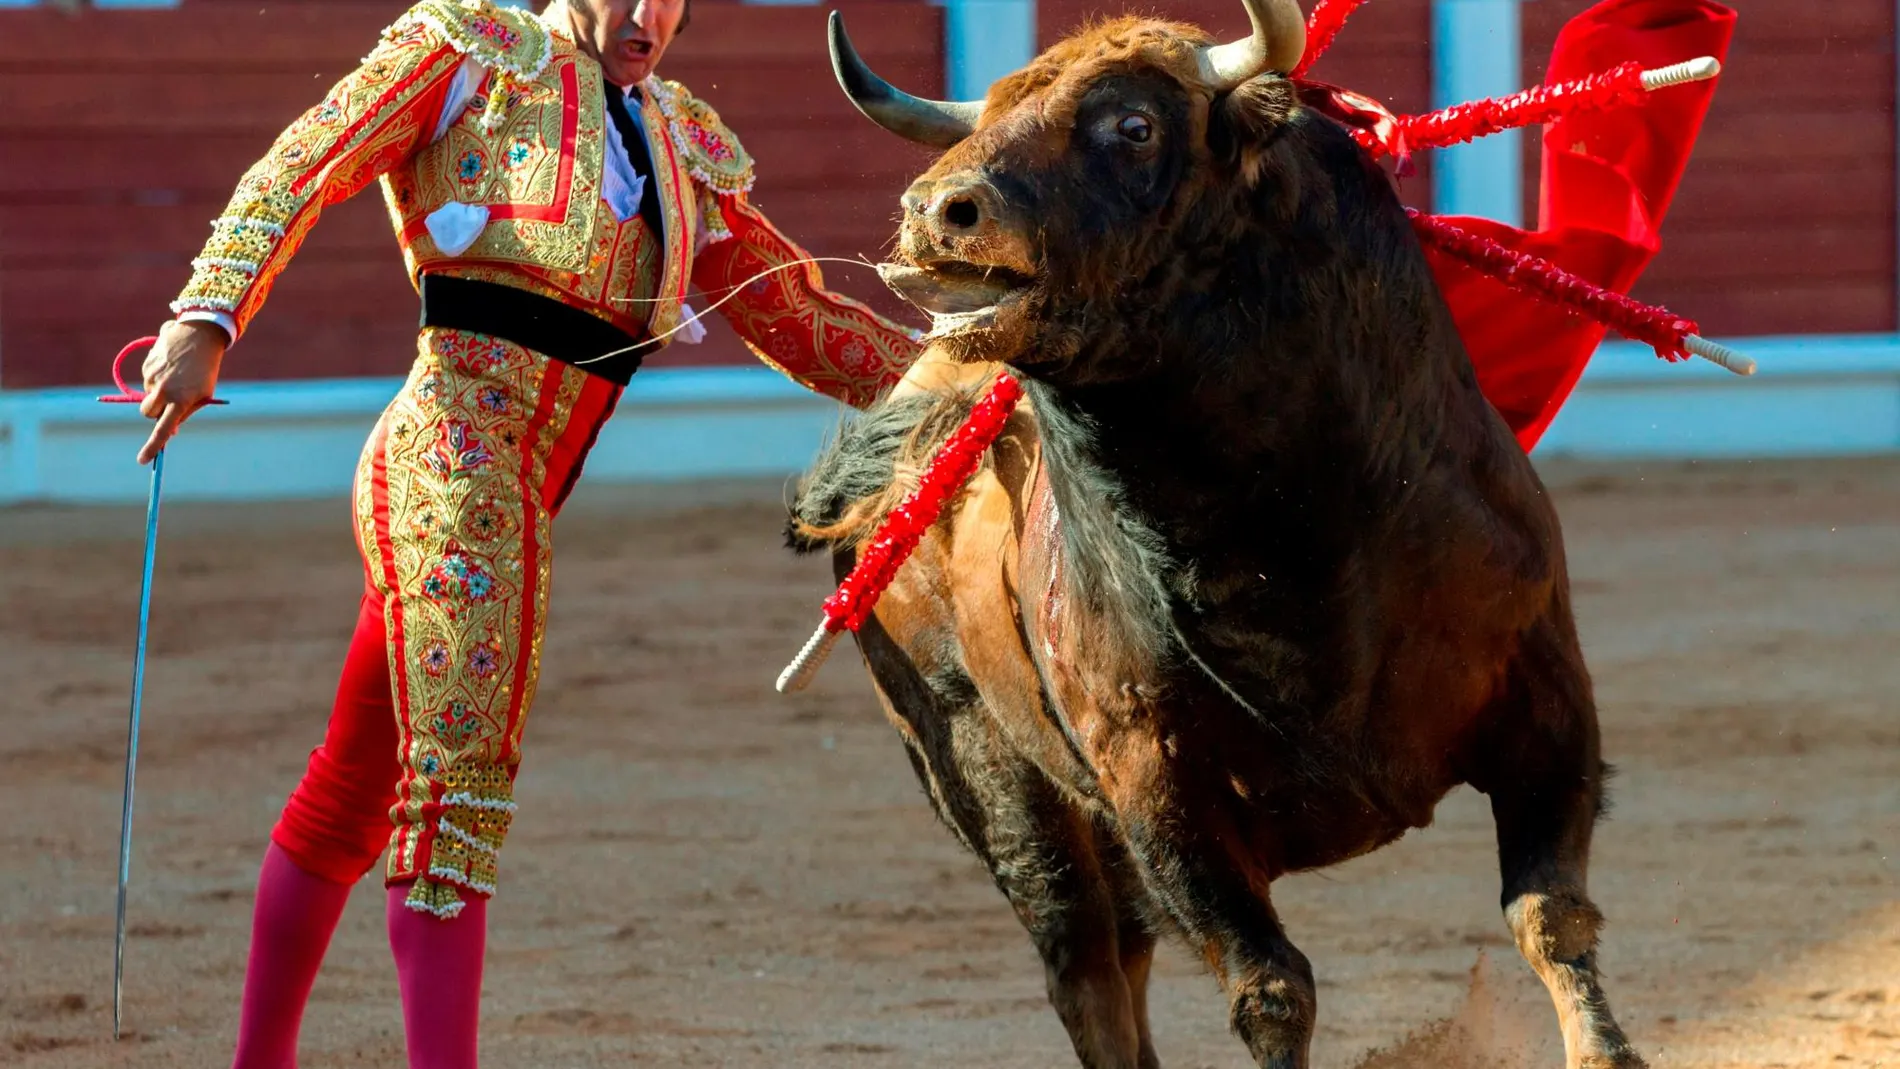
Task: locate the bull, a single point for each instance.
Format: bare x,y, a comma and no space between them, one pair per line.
1254,577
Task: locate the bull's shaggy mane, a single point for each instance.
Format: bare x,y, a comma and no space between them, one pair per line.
865,470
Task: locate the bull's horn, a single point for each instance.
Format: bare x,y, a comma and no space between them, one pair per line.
938,123
1278,42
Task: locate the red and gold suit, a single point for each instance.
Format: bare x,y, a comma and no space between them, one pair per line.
492,137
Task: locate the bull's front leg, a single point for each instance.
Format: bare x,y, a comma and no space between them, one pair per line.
1198,867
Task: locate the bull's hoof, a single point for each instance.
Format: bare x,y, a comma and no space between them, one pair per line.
1275,1023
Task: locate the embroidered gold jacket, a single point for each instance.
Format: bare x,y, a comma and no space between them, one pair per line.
511,190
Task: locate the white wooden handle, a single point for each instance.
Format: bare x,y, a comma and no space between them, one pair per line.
1719,354
1694,70
805,665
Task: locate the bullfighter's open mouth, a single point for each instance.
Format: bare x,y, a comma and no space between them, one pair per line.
959,296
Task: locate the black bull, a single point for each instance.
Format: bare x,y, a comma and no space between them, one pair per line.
1254,578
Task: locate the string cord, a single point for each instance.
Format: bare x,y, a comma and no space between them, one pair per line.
734,292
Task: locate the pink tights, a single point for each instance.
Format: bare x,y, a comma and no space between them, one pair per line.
438,968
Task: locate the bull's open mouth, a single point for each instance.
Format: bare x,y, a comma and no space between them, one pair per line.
959,296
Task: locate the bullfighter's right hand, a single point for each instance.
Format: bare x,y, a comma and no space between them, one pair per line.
181,375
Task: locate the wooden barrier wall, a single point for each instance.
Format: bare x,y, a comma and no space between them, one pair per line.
1784,222
126,130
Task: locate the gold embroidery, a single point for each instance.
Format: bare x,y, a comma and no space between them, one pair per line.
476,810
470,554
823,341
544,207
672,172
368,121
707,148
509,39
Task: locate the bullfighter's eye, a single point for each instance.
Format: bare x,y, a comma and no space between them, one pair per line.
1136,128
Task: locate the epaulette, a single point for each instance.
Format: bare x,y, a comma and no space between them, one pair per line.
712,154
507,38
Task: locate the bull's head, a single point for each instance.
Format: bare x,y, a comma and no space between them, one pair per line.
1095,186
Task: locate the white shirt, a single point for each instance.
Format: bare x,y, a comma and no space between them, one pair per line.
459,224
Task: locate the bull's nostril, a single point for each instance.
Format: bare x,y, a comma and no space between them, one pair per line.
961,213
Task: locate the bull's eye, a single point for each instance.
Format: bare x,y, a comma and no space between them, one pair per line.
1136,128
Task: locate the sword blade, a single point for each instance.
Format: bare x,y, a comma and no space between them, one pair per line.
132,745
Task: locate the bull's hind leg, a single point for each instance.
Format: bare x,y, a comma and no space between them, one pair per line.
1039,847
1539,762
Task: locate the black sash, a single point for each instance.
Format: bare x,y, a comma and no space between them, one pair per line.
534,322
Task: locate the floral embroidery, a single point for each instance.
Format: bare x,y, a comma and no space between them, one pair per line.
323,157
706,146
467,604
458,453
478,359
519,153
512,40
470,166
827,343
714,145
458,725
856,357
426,523
485,521
495,31
492,399
458,579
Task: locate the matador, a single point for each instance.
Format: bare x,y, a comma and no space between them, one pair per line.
555,201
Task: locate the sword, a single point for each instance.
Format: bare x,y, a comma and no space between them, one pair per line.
127,395
132,744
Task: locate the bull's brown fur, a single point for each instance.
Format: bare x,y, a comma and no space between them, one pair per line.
1253,578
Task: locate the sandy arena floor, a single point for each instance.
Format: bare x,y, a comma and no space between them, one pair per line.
707,874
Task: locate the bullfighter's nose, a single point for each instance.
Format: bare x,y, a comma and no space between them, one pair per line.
952,209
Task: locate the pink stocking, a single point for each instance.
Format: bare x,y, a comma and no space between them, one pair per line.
291,925
439,968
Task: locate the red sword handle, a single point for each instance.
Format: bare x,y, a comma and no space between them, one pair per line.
127,395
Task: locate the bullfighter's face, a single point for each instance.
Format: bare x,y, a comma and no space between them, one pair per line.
628,37
1078,179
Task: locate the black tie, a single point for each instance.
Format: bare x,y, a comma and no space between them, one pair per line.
636,145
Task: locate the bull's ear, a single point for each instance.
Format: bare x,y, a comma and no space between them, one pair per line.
1247,121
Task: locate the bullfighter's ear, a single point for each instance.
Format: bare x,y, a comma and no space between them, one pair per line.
1248,120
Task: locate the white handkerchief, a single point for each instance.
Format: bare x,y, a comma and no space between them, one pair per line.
692,331
455,226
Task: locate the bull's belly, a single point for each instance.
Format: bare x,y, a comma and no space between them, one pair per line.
1317,831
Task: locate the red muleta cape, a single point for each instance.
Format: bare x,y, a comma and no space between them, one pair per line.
1607,181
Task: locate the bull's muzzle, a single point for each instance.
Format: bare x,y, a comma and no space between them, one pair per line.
963,254
953,210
